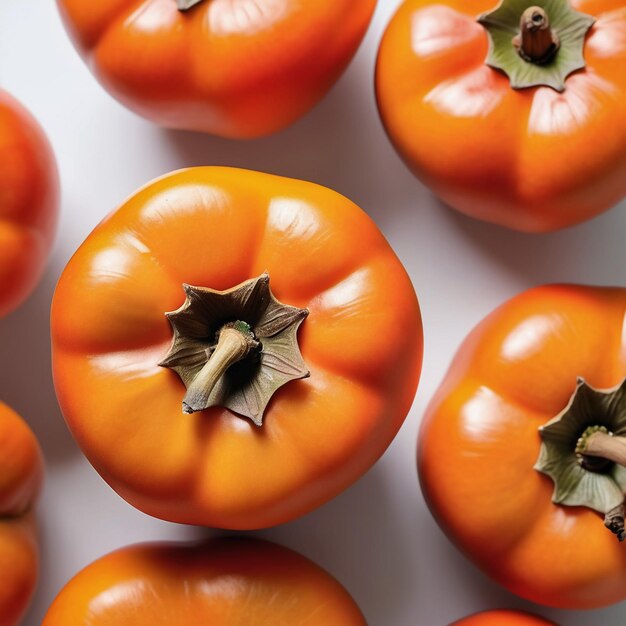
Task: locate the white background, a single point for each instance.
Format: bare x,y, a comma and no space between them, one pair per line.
378,537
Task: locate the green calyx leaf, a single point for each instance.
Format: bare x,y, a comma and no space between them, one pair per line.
569,26
589,409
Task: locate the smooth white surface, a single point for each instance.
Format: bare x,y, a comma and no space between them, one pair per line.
378,537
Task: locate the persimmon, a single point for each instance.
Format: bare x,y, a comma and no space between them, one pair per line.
233,349
235,68
29,202
511,112
225,582
21,473
503,618
521,453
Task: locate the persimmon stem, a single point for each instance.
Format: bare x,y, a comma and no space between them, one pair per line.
232,346
606,446
537,42
598,443
185,5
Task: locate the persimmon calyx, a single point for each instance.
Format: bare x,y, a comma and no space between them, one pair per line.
185,5
583,450
235,348
536,45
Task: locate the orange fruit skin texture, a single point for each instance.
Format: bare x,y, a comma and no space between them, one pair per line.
229,582
235,68
479,442
217,227
29,202
503,618
533,160
21,474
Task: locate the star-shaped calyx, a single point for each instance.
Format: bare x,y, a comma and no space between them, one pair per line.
583,450
235,348
538,44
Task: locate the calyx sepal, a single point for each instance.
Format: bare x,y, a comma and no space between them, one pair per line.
569,27
185,5
250,370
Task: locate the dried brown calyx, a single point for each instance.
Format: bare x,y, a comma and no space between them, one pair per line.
235,348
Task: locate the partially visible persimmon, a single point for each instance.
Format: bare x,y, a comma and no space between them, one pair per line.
21,473
522,451
29,202
503,618
511,112
228,582
235,68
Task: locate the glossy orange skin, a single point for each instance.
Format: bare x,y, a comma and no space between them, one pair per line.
503,618
29,202
479,442
217,227
235,68
231,582
532,160
21,473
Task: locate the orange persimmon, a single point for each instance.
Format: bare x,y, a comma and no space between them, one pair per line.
511,112
222,583
213,414
235,68
21,472
521,450
29,202
503,618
